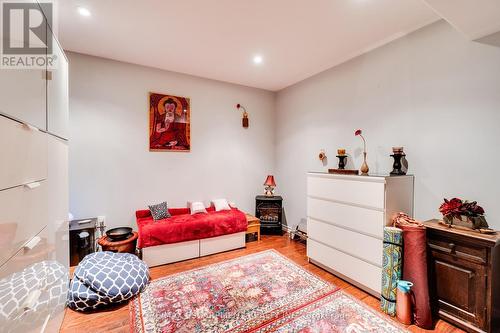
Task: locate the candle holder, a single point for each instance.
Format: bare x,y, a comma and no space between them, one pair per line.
342,161
397,166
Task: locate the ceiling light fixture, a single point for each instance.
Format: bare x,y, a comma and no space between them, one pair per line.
84,11
257,59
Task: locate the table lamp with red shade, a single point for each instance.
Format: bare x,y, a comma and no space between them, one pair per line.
270,185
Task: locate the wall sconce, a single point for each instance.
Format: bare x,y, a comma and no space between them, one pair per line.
322,155
244,120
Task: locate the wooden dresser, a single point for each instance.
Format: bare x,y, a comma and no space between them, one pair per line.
346,216
464,277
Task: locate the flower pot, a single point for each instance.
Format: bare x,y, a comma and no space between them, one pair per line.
472,222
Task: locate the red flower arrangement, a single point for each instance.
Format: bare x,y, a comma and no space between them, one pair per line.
456,208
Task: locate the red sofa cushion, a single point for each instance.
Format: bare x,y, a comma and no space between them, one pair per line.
182,226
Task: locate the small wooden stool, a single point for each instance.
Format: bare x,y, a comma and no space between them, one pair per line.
253,225
123,246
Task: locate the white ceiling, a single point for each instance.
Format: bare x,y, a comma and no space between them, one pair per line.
475,19
217,39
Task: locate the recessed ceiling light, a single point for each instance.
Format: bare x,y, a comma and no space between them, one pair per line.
84,11
257,59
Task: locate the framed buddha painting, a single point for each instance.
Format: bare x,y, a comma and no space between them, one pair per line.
169,123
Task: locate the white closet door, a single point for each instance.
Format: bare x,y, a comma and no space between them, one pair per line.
57,94
23,91
23,213
58,205
24,154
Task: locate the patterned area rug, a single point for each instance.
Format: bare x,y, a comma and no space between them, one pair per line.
262,292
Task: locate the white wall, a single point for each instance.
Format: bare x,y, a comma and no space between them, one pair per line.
112,172
433,92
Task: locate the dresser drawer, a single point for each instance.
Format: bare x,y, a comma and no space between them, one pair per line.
24,151
23,213
354,269
364,220
366,248
457,248
363,192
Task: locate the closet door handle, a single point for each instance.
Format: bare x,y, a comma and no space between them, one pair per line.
32,243
32,185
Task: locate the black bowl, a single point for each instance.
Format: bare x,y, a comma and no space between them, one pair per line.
118,233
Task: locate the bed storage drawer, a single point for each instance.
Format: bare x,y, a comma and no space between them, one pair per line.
221,243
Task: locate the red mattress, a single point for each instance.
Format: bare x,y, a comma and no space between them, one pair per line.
182,226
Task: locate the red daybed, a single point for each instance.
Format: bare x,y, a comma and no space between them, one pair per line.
184,236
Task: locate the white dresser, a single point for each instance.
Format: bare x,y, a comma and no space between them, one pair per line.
34,240
345,220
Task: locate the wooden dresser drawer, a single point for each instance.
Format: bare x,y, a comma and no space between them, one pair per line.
367,248
365,192
458,248
363,220
23,213
24,154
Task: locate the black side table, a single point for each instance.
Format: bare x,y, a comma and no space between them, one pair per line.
269,210
81,239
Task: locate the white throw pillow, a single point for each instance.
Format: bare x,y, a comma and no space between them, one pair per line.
197,207
220,204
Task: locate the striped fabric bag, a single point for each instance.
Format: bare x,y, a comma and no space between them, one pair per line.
391,268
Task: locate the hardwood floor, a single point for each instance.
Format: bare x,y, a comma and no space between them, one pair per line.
116,319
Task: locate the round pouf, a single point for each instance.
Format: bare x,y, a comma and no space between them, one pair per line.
104,278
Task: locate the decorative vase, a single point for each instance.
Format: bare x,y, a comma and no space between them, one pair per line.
342,159
364,167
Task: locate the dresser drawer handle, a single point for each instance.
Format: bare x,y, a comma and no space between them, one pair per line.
452,246
30,127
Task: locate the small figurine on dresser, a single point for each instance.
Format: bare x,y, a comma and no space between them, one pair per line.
400,165
342,156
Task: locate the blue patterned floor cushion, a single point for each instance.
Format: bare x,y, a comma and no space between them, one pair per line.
104,278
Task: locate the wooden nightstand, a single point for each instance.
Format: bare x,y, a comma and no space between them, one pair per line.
465,277
253,225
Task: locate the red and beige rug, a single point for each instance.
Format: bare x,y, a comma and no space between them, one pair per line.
262,292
